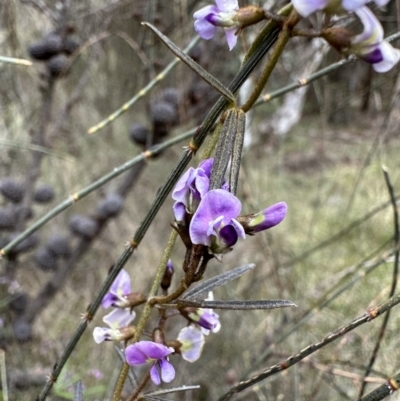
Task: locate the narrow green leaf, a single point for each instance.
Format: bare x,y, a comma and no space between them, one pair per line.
211,80
238,305
217,281
172,390
237,151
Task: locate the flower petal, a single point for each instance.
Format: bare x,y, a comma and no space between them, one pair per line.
307,7
203,12
100,334
119,318
373,31
231,37
192,340
352,5
227,5
154,375
167,370
134,355
390,57
204,29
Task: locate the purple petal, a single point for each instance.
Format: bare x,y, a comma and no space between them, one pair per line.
167,370
179,192
373,31
203,12
269,217
352,5
307,7
100,334
204,29
215,204
229,236
192,340
207,165
390,57
134,355
154,375
231,37
179,211
119,318
120,286
227,5
381,3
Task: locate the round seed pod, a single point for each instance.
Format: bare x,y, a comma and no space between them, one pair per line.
138,133
19,303
71,44
45,259
12,189
83,226
50,46
57,65
7,219
171,96
110,206
58,245
163,113
25,245
22,330
44,193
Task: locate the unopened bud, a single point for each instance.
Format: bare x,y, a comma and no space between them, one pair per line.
169,272
338,37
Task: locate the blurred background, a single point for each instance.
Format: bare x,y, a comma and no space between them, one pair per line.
320,149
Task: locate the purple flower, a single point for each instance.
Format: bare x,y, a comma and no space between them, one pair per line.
206,318
307,7
214,223
118,330
264,220
370,46
118,290
222,15
149,351
192,342
191,188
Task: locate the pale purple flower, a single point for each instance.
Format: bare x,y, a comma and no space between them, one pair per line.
206,318
192,342
149,351
266,219
370,46
307,7
214,224
221,15
118,320
191,188
118,290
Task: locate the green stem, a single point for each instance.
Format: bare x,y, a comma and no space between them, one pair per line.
283,38
146,311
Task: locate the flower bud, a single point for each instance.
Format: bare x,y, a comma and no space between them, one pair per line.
338,37
169,272
270,217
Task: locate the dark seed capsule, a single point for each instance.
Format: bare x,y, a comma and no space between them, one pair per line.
171,96
25,245
71,44
58,245
83,226
57,65
7,219
12,189
163,113
110,206
19,303
138,133
50,46
45,259
44,193
22,330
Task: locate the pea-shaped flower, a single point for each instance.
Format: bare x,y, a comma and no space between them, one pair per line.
155,353
118,290
214,224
